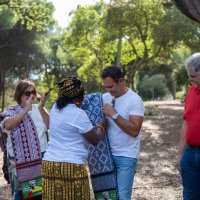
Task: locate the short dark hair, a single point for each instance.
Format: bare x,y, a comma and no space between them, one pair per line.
21,87
112,71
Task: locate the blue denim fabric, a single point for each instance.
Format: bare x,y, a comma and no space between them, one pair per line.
10,169
125,168
17,196
190,173
42,153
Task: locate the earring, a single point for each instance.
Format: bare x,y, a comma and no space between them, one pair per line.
78,103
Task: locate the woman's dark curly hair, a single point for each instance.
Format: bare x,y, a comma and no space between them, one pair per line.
62,101
69,90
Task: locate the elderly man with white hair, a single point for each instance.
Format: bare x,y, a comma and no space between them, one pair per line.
188,156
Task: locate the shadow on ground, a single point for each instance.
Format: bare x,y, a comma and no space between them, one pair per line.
157,178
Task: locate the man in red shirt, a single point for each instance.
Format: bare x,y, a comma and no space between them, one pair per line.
188,156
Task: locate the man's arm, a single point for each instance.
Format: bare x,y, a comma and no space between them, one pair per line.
181,145
131,126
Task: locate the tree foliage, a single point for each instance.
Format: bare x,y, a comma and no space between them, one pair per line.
31,14
85,42
21,22
128,33
153,87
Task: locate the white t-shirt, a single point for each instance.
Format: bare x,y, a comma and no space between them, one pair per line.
121,143
66,142
40,127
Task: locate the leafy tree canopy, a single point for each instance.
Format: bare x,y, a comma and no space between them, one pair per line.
30,14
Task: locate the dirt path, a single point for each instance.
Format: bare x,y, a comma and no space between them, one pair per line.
156,177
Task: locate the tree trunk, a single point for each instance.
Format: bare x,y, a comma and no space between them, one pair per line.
2,90
119,49
130,79
190,8
3,94
174,91
132,68
1,85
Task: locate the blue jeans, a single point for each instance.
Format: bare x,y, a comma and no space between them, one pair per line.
125,168
190,173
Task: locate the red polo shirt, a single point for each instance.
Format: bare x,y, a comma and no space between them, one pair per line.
192,116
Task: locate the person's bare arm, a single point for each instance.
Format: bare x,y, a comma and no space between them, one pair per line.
43,111
131,126
11,122
94,136
181,145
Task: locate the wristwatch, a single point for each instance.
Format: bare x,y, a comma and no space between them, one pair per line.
115,116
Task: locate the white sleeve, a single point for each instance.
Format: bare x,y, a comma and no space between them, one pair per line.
83,123
3,128
137,107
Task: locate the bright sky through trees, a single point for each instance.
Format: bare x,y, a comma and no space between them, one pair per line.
63,7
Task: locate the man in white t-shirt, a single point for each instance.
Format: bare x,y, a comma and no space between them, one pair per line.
124,110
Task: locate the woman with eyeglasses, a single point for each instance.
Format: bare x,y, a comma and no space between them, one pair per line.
26,125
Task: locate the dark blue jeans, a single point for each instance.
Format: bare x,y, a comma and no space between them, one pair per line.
190,173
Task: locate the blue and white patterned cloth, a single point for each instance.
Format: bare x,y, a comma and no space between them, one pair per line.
100,162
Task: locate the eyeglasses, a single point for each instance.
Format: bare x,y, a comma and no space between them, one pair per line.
28,93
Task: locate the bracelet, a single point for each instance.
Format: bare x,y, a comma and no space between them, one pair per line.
100,126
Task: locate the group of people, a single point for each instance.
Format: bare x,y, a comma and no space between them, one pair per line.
57,168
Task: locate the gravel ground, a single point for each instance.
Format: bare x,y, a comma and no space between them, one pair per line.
156,177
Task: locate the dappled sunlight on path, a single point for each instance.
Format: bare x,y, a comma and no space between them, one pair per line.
157,178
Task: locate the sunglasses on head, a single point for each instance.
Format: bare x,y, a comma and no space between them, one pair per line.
28,93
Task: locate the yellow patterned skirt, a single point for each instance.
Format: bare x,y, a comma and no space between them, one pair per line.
64,181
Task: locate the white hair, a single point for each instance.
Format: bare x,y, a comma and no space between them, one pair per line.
194,62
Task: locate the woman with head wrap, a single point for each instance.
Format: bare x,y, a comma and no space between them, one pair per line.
63,169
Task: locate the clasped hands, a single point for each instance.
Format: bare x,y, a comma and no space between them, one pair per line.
108,110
